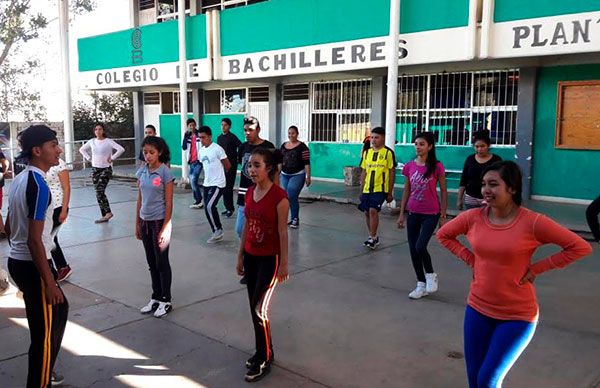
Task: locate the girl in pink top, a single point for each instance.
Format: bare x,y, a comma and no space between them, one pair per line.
420,201
502,310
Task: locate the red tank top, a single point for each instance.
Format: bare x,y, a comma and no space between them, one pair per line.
262,233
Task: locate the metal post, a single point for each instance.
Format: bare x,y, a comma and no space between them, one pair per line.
63,20
392,75
182,81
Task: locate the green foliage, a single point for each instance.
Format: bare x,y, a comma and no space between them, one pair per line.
115,110
15,96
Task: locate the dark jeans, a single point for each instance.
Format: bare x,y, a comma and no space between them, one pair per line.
591,214
56,252
100,178
419,229
46,322
492,346
158,260
195,170
293,184
228,190
260,273
211,196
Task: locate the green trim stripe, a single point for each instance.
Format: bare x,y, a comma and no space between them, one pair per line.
509,10
158,45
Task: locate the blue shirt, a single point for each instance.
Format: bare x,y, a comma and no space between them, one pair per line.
152,187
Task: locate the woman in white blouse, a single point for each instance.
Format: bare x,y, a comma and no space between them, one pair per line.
103,152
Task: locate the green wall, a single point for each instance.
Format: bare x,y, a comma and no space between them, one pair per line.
281,24
507,10
559,172
329,159
170,130
158,45
214,122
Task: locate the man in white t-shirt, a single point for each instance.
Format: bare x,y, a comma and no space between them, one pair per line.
215,163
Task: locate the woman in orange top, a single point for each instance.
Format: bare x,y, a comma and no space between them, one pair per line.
502,309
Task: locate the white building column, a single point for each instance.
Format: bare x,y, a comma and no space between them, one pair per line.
63,21
392,74
182,82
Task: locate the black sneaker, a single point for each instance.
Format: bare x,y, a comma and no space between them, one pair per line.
56,379
243,280
257,371
227,213
372,242
254,358
295,223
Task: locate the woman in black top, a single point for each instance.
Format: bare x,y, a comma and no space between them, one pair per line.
469,192
295,172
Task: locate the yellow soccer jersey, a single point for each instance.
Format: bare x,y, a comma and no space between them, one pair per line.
377,165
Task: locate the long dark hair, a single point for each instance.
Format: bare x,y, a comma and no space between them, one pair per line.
271,157
431,161
511,174
160,145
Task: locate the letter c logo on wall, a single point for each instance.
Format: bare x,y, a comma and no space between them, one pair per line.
136,43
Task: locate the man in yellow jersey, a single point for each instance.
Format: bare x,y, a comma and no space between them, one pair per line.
377,180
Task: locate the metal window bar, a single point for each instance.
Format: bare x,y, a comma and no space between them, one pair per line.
457,104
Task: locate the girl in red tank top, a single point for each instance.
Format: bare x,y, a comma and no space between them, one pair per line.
263,254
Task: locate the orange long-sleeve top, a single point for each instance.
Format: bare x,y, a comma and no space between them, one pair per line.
501,256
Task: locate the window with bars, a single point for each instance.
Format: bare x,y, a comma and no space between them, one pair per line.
145,4
454,105
208,5
168,9
340,111
295,92
152,98
170,102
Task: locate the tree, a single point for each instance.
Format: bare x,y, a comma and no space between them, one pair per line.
18,25
115,110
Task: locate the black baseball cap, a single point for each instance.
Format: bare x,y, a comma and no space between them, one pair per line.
34,136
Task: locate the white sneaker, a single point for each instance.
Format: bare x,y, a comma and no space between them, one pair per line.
432,282
216,237
163,309
150,307
198,205
418,292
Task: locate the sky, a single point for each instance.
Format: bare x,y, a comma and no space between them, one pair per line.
109,15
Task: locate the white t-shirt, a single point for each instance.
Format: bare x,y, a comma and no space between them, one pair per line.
101,150
54,183
214,172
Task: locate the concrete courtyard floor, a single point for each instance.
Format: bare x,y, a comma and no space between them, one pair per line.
342,320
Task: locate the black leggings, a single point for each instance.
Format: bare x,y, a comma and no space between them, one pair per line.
56,251
211,199
591,214
228,190
419,229
46,322
100,178
261,274
158,260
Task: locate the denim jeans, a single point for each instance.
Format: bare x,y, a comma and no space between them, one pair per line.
195,170
419,229
240,220
293,184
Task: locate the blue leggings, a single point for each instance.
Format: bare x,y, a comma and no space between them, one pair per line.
492,346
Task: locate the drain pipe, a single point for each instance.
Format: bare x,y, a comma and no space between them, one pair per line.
392,75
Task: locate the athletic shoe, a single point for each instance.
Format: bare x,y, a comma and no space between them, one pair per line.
56,379
163,309
418,292
216,237
254,359
257,371
227,213
295,223
372,242
197,205
366,242
150,307
243,280
64,273
431,280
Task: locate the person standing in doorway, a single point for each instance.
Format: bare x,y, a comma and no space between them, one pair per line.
230,143
192,140
5,173
149,130
153,221
215,164
263,253
57,178
377,180
295,172
469,190
420,200
103,152
29,225
502,309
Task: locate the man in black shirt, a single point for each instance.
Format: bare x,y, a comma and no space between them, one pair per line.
230,143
